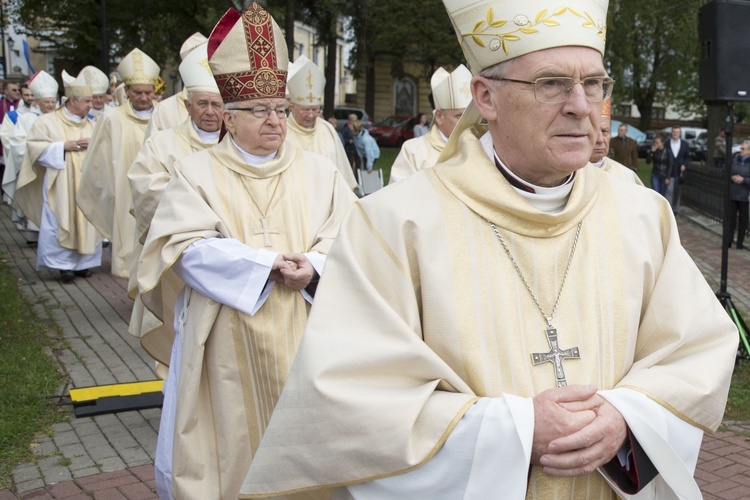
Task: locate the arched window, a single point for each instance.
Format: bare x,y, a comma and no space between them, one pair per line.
404,97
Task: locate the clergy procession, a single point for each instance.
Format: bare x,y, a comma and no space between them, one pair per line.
514,316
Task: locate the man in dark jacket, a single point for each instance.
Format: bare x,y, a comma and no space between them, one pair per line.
680,158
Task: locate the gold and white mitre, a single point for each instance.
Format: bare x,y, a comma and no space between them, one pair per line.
493,31
137,68
305,83
248,56
96,79
76,87
451,90
195,72
607,108
191,43
43,85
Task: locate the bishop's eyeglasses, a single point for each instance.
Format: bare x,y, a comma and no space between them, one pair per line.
264,112
557,89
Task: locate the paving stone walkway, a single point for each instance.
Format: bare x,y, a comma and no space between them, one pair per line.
111,456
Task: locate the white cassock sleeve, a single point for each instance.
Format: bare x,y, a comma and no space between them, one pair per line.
468,465
490,448
232,273
53,156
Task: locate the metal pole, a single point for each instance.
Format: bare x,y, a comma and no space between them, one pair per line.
2,35
727,239
105,41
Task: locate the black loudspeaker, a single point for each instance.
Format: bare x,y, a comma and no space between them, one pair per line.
724,32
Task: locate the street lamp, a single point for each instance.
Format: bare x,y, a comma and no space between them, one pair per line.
8,59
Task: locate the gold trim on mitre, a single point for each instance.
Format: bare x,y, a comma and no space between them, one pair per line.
193,42
493,31
306,83
76,87
248,56
195,72
451,90
96,79
607,108
137,68
43,85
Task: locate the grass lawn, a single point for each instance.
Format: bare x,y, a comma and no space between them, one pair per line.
385,162
27,375
738,406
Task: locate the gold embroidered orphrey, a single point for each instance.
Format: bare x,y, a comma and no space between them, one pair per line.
264,229
556,355
525,27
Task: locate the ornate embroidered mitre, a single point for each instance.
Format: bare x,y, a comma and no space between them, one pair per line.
247,55
493,31
76,87
137,68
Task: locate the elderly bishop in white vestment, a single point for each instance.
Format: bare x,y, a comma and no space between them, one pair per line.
512,323
246,226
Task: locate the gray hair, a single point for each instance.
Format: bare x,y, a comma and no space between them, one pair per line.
499,70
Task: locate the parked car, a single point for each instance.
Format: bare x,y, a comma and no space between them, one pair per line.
341,113
634,133
394,130
645,145
701,146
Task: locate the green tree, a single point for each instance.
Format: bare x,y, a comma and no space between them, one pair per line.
417,31
652,52
72,28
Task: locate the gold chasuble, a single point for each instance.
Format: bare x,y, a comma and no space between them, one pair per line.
421,311
234,365
417,154
170,113
620,171
324,140
149,175
62,186
105,196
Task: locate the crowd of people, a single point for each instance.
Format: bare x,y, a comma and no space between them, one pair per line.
515,309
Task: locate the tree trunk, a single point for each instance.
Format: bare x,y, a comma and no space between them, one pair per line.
331,80
289,29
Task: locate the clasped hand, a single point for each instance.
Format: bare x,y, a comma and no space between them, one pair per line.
293,270
575,431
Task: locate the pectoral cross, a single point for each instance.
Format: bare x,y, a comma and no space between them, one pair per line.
265,231
555,356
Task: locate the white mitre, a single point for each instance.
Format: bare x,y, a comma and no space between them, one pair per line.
191,43
98,81
493,31
196,73
43,85
76,87
137,68
305,82
451,90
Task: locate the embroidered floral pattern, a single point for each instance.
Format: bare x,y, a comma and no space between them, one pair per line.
488,27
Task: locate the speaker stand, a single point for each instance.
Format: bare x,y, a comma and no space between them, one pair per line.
723,295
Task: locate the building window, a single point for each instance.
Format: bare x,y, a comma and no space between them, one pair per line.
624,110
405,97
301,50
657,113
